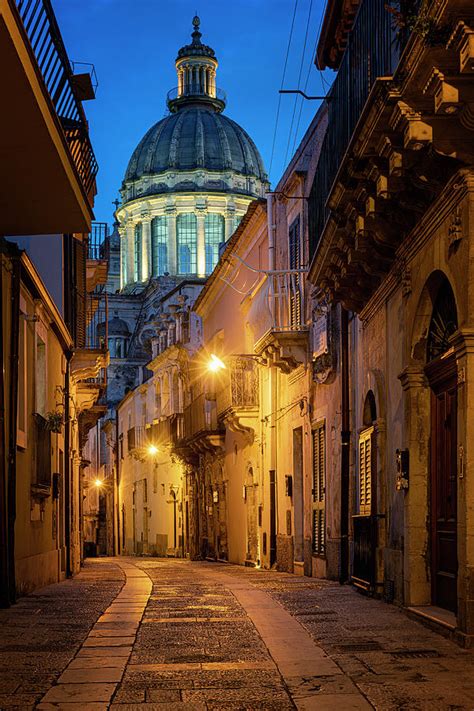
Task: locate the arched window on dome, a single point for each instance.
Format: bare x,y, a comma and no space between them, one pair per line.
186,227
214,236
159,245
137,263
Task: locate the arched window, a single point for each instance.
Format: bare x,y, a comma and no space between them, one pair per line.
186,227
444,322
214,236
137,264
159,245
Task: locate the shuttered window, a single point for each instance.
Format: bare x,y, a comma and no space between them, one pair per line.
365,471
294,262
319,489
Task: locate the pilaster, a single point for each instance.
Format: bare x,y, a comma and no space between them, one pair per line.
130,241
172,257
416,574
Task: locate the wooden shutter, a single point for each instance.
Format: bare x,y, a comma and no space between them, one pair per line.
365,471
319,489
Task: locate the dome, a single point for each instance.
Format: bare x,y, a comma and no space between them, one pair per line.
117,327
196,137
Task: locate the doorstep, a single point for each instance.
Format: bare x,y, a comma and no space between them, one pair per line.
436,618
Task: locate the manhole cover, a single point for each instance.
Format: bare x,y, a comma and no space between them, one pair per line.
415,653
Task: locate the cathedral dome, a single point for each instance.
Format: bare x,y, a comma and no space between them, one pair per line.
196,137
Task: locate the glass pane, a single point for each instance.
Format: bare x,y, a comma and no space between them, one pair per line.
138,253
214,235
159,245
186,228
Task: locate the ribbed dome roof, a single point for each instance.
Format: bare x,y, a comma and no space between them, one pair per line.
196,137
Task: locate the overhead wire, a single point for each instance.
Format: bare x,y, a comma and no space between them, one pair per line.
297,97
281,86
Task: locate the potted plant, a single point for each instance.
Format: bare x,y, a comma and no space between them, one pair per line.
54,421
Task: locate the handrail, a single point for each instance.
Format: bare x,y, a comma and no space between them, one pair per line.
41,27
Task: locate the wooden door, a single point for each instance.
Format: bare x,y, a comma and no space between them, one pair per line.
444,494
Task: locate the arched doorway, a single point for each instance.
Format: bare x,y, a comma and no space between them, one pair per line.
442,377
365,519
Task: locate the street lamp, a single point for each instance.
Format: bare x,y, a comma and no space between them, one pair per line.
215,364
152,449
98,483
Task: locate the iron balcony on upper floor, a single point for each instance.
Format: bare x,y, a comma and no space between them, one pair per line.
48,167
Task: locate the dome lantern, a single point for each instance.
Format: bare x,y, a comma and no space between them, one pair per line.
196,67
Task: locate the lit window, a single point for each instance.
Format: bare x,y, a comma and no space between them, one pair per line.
159,245
186,226
214,236
365,471
138,253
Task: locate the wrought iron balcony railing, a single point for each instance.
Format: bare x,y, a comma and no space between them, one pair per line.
373,50
39,21
96,241
200,416
239,390
97,322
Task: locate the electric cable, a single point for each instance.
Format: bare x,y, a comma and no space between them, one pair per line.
297,97
281,86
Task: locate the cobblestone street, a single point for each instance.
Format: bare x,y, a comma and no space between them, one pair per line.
169,634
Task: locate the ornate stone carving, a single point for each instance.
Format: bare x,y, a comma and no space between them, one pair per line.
454,230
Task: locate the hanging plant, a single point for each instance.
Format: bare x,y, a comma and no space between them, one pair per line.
54,421
412,16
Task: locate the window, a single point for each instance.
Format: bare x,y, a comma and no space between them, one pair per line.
123,259
41,390
118,347
294,262
138,253
214,235
159,245
365,471
186,226
319,489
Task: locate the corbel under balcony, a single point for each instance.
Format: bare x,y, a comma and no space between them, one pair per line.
96,273
86,363
208,443
284,349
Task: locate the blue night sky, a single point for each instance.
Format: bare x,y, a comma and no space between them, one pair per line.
133,45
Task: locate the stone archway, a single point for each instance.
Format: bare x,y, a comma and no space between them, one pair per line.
420,381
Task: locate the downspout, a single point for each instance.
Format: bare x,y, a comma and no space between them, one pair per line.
345,448
4,569
116,487
272,375
12,424
67,467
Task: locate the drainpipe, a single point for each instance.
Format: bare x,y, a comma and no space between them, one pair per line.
67,467
4,568
271,232
345,448
116,488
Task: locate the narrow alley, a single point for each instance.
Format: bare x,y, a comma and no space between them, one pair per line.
172,634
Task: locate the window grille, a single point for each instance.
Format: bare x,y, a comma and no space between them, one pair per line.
319,489
159,245
214,235
365,471
138,253
186,226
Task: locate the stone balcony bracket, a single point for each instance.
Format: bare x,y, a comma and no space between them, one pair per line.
96,273
286,350
86,363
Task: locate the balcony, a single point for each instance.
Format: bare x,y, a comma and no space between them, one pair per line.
285,344
202,432
91,359
168,431
410,136
97,256
238,398
48,163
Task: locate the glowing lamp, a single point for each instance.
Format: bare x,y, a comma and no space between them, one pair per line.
98,483
152,449
215,364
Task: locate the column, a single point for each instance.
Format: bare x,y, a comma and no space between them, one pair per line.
172,261
123,256
130,231
146,247
229,223
201,244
